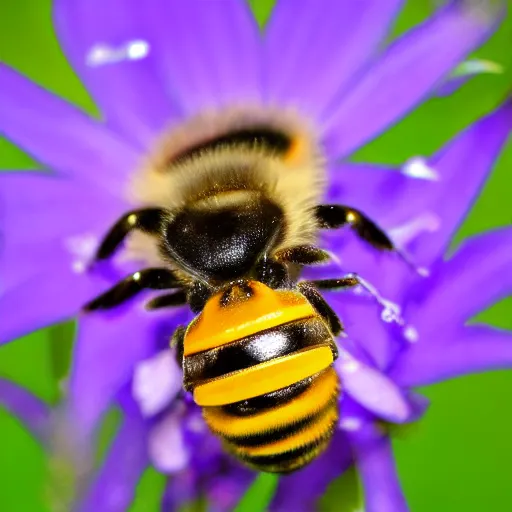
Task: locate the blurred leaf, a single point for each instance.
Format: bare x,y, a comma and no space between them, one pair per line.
261,10
149,492
260,494
61,349
343,495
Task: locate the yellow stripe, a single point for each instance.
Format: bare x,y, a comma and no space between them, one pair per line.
267,308
264,377
294,464
311,433
323,389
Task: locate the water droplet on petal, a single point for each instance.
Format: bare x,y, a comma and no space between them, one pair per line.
423,271
102,54
137,50
418,167
411,334
350,424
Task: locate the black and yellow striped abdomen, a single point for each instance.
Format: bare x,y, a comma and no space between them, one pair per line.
260,366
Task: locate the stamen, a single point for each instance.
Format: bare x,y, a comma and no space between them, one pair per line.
391,311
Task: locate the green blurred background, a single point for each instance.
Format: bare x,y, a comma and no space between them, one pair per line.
458,458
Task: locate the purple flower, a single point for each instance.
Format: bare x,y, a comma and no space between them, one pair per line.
157,65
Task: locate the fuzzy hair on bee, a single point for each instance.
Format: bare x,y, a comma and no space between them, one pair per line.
229,215
236,158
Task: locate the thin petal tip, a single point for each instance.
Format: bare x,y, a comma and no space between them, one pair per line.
484,11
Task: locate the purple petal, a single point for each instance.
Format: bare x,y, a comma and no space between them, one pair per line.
395,201
409,70
477,276
374,459
114,488
109,346
27,408
467,350
373,390
50,228
462,166
49,295
59,135
382,193
224,493
211,472
167,448
300,491
314,49
156,382
362,320
212,51
37,207
112,50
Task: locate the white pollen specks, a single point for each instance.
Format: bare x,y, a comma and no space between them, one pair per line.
102,54
350,424
411,334
82,248
418,167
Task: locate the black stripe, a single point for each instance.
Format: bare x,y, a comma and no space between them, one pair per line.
268,400
258,348
285,431
285,458
270,139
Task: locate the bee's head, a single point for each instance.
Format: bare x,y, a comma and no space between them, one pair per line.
224,236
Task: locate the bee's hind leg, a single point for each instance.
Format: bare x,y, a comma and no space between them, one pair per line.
307,288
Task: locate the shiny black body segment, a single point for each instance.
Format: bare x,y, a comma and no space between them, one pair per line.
258,348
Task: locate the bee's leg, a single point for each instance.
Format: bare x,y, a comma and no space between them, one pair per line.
302,255
308,289
199,293
147,279
169,300
334,216
272,273
347,281
177,341
148,220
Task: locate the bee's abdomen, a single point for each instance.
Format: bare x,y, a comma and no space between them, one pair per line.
272,396
284,434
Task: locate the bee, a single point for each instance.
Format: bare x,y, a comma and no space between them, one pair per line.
232,206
